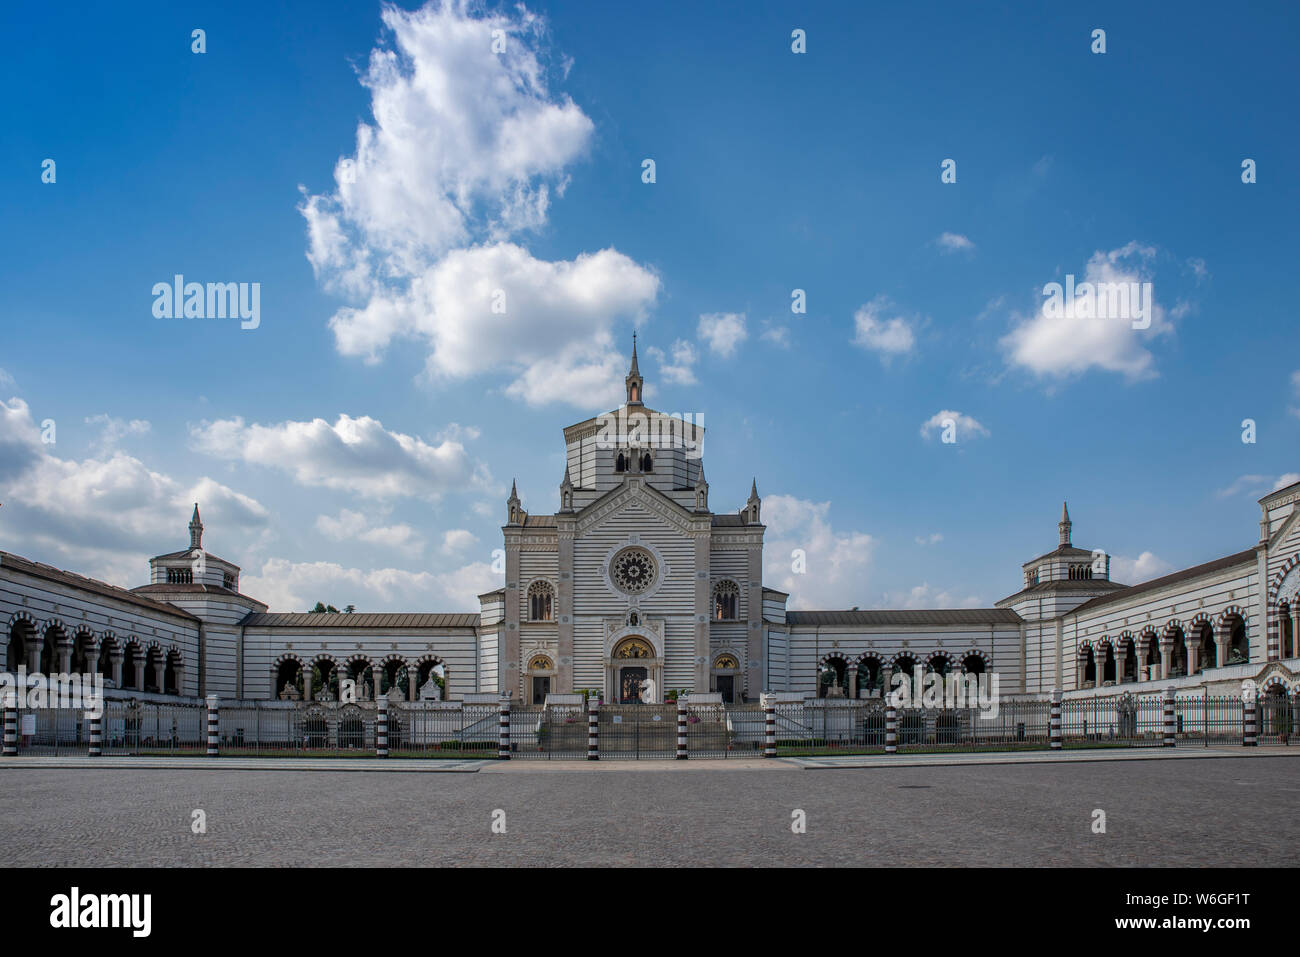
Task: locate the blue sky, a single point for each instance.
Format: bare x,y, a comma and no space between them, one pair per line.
357,445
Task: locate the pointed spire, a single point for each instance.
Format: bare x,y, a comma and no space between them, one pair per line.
196,528
634,380
1063,526
751,510
514,514
567,483
566,492
753,490
514,492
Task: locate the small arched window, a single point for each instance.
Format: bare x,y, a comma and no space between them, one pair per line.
541,601
726,596
620,463
647,463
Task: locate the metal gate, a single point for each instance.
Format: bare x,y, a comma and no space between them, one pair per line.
638,731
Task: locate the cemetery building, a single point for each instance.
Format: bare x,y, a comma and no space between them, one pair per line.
633,586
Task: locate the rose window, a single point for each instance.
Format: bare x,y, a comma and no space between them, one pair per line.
632,571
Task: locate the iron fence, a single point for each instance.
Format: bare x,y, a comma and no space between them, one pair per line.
1129,721
638,731
1277,718
423,730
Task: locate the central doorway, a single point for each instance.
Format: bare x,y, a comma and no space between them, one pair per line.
630,680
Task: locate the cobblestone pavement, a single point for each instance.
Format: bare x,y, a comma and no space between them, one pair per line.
1187,812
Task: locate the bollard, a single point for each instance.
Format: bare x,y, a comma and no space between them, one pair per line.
214,726
1249,738
593,730
681,728
891,729
769,730
11,723
1054,721
503,729
96,722
381,727
1170,736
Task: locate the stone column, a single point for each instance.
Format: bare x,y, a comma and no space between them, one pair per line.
1295,627
853,681
503,729
158,667
412,683
115,657
180,678
64,649
1166,653
92,656
306,682
1222,641
214,726
1170,725
1142,649
139,673
34,646
1102,653
886,679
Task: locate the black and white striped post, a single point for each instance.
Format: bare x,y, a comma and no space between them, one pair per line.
1170,736
891,729
1054,722
95,720
593,729
214,726
11,723
1249,737
381,727
681,728
503,729
769,729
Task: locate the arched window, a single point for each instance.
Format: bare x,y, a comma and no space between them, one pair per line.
620,463
725,662
726,597
647,463
541,601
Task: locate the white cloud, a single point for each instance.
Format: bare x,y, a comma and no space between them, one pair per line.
354,454
465,151
967,427
7,381
113,430
837,562
1295,391
933,538
457,540
105,516
888,337
779,336
351,526
926,596
723,331
295,586
954,242
1132,571
680,368
1060,347
1258,485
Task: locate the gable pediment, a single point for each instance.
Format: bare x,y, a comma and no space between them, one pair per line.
636,491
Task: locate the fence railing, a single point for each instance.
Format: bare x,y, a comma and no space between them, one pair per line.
808,728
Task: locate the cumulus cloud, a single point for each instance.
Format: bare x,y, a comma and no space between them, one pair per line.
1053,346
457,540
1132,571
836,562
925,595
954,243
295,586
934,538
966,427
723,332
465,151
1258,485
1295,392
887,336
679,368
355,455
350,526
778,335
105,515
113,430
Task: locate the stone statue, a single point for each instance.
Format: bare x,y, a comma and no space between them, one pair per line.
429,691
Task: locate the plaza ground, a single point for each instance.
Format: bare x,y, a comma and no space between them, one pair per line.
1190,810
